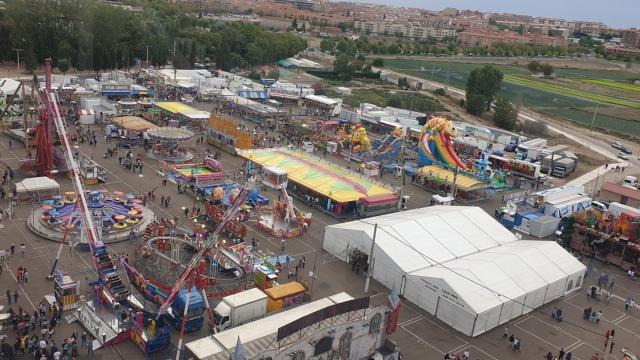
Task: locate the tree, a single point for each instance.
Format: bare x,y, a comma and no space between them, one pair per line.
30,61
378,62
475,104
534,66
546,69
318,88
342,65
485,81
294,24
505,115
394,101
63,65
403,83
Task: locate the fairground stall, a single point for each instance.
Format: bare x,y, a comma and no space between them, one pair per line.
36,189
166,144
66,290
128,130
274,177
226,135
612,236
184,114
90,171
337,191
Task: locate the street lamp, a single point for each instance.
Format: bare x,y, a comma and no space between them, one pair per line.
141,177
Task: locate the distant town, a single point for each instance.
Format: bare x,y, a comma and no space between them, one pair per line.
469,28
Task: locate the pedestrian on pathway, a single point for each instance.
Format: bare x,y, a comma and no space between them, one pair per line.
506,333
569,356
90,346
13,248
9,296
561,354
25,276
282,245
22,248
627,303
465,355
186,212
15,296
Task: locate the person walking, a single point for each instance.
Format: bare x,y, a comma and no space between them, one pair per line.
22,249
90,346
465,355
9,296
282,245
506,333
569,356
25,276
15,296
13,248
561,354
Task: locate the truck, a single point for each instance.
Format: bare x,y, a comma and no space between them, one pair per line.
195,313
240,308
530,149
618,209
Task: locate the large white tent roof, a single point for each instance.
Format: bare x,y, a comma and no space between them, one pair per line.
442,232
487,279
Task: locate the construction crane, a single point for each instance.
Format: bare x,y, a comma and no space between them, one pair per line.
51,118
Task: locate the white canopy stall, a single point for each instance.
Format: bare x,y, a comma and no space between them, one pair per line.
459,264
37,188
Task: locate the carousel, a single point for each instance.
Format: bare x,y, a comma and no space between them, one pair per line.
115,214
166,144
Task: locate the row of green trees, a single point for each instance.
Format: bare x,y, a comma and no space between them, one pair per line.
93,36
451,47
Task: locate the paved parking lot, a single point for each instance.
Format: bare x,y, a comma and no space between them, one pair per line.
420,335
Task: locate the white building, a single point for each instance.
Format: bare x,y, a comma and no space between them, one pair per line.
460,264
307,331
411,30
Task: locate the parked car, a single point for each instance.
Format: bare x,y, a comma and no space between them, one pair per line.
623,156
626,150
616,145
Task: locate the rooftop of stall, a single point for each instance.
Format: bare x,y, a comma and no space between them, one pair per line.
183,112
328,179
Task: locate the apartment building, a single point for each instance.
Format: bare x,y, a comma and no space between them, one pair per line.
409,30
473,38
630,38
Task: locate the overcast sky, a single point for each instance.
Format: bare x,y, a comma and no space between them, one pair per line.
615,13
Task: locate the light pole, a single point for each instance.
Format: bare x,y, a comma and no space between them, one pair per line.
18,54
148,55
141,177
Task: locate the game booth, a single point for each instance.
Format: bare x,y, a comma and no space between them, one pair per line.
326,186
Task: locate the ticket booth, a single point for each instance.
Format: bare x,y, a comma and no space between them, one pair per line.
274,177
65,290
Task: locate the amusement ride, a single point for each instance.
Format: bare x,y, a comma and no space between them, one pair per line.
194,263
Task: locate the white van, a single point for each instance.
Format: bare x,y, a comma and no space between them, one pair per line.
600,206
630,182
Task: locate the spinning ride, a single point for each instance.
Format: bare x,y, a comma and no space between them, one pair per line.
166,142
114,215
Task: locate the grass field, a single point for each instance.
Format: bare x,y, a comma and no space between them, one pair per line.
557,100
614,84
540,85
379,97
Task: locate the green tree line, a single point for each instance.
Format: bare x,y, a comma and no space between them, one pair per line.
92,36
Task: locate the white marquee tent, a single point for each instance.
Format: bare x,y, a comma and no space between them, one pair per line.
459,264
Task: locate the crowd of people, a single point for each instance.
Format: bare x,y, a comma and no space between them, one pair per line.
35,336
